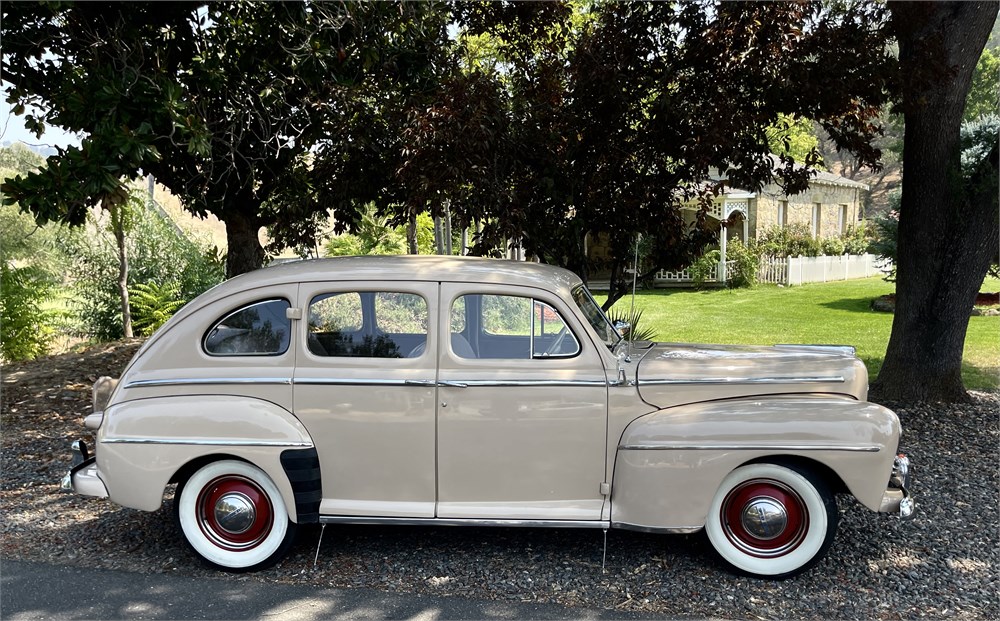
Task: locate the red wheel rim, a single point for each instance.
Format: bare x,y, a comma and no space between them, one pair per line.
234,513
764,518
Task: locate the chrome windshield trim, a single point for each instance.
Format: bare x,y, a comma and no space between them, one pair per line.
830,379
205,442
195,381
406,521
860,448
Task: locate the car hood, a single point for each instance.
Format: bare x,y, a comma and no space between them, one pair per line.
672,373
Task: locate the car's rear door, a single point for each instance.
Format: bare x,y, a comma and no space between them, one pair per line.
364,387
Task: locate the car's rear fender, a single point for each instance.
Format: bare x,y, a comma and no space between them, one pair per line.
146,443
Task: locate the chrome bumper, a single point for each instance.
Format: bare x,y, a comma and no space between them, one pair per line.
83,477
897,498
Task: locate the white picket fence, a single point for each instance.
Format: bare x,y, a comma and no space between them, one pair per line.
800,270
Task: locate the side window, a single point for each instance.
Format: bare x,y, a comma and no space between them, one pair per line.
369,324
259,329
509,327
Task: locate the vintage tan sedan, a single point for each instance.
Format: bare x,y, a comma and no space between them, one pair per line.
441,390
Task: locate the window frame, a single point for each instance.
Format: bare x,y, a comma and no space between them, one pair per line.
369,320
215,324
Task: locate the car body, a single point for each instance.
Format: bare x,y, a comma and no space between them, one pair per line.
326,391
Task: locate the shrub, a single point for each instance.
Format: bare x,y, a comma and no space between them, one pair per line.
705,267
745,264
156,254
152,305
832,246
789,241
25,326
857,239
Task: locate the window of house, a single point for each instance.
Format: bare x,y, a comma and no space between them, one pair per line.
509,327
782,214
368,324
257,329
815,225
842,225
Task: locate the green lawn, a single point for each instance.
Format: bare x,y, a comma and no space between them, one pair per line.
825,313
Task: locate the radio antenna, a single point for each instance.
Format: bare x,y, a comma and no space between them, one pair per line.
635,277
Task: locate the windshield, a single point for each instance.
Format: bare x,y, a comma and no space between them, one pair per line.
596,317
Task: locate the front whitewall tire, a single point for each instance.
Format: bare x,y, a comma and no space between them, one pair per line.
772,521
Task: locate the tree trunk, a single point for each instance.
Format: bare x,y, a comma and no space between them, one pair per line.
411,234
947,235
245,253
117,209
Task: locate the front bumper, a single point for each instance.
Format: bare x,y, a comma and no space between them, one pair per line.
83,477
897,498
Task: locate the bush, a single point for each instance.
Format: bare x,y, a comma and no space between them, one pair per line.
789,241
25,326
152,305
746,263
832,246
157,256
705,267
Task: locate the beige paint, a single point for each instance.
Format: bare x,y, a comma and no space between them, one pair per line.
526,452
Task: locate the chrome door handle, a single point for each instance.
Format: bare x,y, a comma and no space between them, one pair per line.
427,383
453,384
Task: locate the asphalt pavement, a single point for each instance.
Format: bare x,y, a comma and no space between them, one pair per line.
35,591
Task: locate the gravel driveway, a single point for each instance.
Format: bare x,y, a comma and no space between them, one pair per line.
943,564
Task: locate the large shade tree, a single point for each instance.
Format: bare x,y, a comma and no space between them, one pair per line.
222,102
948,224
623,112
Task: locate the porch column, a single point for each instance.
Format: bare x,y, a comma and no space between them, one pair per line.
722,253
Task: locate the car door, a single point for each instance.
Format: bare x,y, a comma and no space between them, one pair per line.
522,407
364,387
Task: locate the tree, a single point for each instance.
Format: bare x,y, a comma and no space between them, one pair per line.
222,102
620,119
948,222
984,97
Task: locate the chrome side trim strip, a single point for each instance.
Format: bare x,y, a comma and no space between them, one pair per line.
832,379
341,381
673,530
205,442
523,383
193,381
862,448
403,521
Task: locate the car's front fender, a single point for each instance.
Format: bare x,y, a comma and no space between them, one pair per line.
670,463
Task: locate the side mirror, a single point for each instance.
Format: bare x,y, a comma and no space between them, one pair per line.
623,328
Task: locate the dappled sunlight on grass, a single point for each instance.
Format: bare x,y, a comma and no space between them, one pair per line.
821,313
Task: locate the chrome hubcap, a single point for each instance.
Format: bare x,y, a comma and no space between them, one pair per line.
764,518
235,513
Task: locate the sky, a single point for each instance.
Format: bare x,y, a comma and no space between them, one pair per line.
12,129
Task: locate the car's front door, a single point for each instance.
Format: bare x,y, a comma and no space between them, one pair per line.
522,408
364,387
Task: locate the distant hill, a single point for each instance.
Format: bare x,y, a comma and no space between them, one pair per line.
43,150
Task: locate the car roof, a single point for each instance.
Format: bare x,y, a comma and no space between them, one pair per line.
428,268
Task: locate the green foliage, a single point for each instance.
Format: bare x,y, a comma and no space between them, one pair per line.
26,327
374,235
29,269
745,264
832,246
638,330
156,255
794,137
788,241
857,239
152,305
983,93
706,267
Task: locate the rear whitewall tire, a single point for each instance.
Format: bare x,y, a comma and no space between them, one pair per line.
772,521
232,515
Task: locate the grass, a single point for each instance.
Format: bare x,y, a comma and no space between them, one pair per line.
824,313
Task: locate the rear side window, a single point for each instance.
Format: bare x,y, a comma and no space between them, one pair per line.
368,324
258,329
